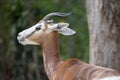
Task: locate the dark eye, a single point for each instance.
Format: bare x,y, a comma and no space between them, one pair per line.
38,28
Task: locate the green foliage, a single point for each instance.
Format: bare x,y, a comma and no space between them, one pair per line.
17,61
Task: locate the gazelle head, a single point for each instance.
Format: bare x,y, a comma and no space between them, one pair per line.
36,33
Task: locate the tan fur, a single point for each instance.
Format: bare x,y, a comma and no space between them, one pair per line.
71,69
74,69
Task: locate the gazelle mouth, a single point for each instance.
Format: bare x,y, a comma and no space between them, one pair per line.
20,39
25,41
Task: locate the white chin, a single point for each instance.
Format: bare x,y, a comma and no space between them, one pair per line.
28,42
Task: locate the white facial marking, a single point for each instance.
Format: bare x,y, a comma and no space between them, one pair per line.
23,37
26,41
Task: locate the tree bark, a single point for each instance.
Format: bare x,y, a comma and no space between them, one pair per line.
104,29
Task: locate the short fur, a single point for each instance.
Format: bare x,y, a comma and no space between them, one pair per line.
55,67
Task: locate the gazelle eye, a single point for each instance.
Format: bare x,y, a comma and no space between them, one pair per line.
38,28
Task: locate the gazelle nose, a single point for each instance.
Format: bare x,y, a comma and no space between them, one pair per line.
20,37
19,34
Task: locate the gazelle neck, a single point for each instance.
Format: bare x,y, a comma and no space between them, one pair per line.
51,54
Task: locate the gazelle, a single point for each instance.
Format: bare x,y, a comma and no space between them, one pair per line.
46,34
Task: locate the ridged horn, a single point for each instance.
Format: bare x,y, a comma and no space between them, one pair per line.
47,17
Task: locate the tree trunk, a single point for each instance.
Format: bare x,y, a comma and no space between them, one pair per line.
104,29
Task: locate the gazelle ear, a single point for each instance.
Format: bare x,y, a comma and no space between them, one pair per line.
66,31
63,29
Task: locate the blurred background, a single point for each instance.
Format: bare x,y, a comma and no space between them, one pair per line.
18,62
